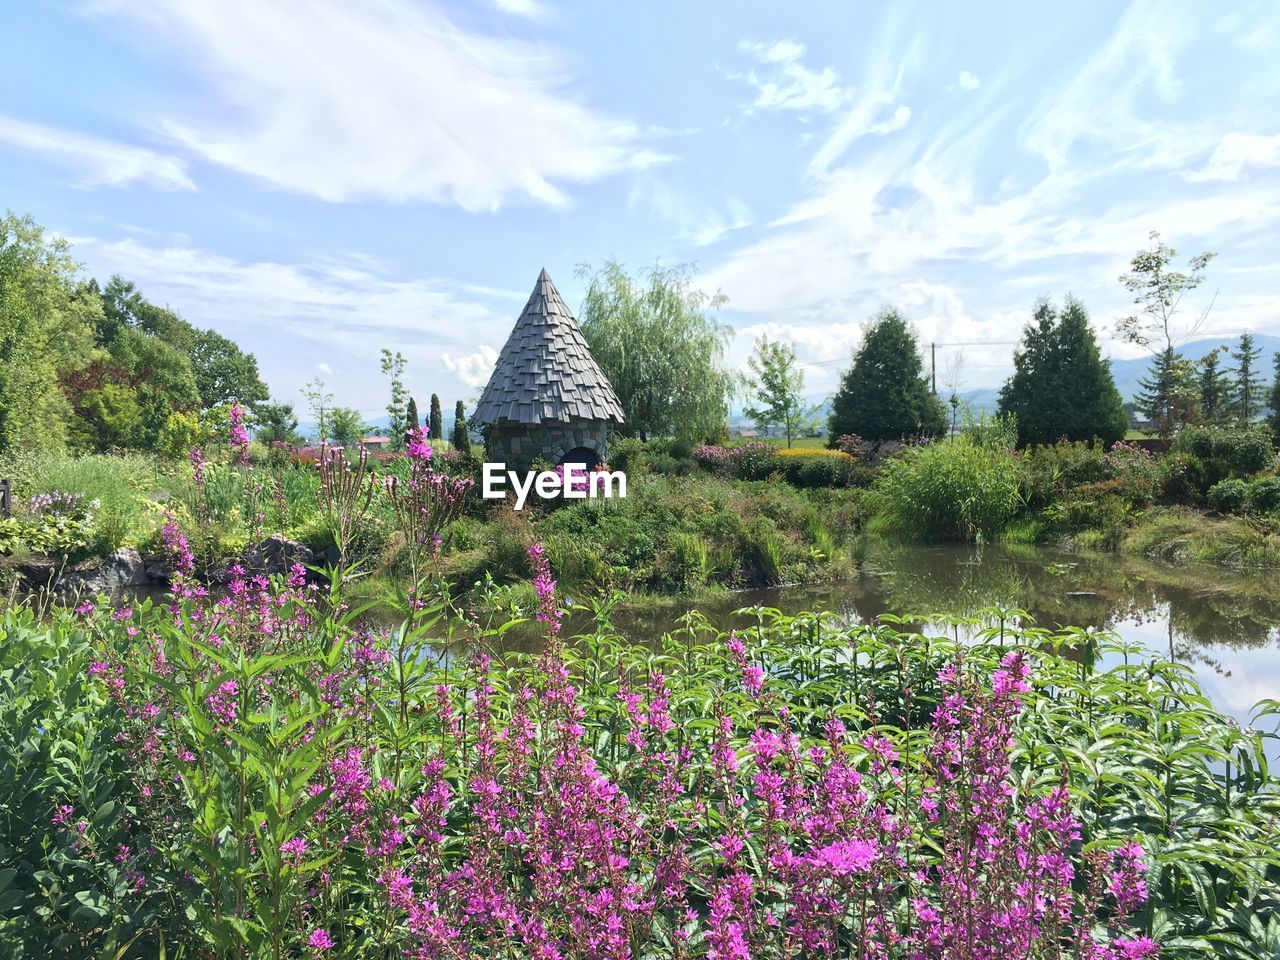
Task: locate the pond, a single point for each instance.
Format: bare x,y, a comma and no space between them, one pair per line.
1224,624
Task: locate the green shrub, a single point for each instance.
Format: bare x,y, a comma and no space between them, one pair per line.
1183,478
1264,495
1238,452
820,470
670,466
948,491
1054,470
754,461
627,454
763,552
1229,496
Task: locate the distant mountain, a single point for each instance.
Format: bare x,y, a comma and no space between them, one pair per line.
1128,372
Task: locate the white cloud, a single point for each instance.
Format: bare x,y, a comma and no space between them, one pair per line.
94,161
386,99
968,81
786,83
521,8
1234,152
697,221
300,317
474,368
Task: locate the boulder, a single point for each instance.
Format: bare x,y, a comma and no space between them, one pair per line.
276,555
118,570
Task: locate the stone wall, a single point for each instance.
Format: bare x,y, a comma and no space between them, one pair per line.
517,445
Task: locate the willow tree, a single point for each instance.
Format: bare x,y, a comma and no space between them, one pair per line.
655,339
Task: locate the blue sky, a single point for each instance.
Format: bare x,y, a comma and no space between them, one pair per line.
318,178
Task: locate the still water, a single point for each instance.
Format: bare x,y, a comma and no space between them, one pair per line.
1225,625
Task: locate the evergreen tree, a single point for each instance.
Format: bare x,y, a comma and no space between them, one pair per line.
883,395
1249,384
411,415
1275,400
437,421
461,437
1216,389
1170,393
1061,385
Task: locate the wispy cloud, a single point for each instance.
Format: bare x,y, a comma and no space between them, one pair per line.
94,161
967,81
522,8
388,100
697,221
783,82
473,369
1234,153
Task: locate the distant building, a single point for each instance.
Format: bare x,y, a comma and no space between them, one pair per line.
547,396
376,443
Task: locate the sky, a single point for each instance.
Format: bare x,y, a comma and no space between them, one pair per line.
319,179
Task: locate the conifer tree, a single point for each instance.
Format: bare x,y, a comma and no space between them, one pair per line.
1061,385
1216,389
1275,400
883,395
437,422
1170,393
411,415
461,436
1249,385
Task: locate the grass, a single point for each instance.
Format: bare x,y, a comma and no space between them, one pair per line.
1182,535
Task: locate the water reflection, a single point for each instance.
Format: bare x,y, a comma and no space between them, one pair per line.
1224,624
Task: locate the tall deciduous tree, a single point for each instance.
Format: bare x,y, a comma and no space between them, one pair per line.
319,401
776,382
1249,386
1061,386
1158,291
275,423
663,352
346,427
393,369
461,436
883,396
1216,389
437,419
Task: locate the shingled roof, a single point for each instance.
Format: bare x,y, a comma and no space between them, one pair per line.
545,370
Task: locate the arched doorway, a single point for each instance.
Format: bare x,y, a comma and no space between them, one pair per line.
582,455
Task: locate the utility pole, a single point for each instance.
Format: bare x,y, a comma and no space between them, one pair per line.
933,365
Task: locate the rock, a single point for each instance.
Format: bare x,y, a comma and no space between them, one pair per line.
275,555
160,569
36,572
111,575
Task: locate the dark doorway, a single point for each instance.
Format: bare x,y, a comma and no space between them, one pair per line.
582,455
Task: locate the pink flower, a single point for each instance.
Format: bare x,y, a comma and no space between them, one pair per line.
320,939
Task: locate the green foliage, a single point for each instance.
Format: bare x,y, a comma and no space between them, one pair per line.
275,423
46,325
1227,452
777,391
628,454
437,419
1247,402
1229,496
883,395
755,461
461,437
1275,400
346,427
948,491
1169,395
817,470
1061,386
1216,389
661,350
411,420
393,365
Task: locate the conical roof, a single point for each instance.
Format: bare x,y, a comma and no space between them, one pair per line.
545,370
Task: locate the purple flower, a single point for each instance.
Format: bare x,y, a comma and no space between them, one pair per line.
320,939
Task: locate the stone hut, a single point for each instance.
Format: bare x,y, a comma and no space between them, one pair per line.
547,396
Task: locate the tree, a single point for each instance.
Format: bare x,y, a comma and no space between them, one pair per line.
1216,389
437,420
393,370
661,350
1275,400
346,427
1249,384
1169,394
275,423
883,395
461,435
47,319
1061,386
411,415
1159,292
224,373
778,382
318,401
